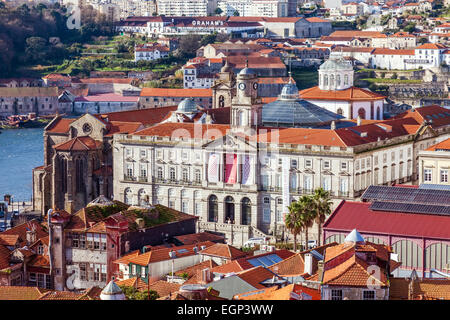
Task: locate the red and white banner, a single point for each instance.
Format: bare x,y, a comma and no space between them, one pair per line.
230,168
247,172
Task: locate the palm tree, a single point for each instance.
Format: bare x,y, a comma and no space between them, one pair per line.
307,215
321,205
293,220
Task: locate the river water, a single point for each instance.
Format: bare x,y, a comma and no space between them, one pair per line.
21,150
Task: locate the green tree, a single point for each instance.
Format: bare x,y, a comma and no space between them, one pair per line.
208,38
36,49
236,13
293,220
307,215
134,294
218,11
321,206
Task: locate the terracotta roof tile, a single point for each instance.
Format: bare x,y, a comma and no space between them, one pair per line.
291,266
164,288
350,94
78,144
199,237
441,146
255,276
21,231
162,92
20,293
223,250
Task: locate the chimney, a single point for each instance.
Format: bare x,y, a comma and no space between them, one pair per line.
308,265
358,121
206,276
31,237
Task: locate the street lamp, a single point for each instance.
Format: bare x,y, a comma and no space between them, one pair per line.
172,255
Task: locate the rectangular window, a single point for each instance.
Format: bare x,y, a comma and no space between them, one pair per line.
307,183
103,241
343,165
133,269
294,163
96,241
336,294
129,170
184,206
143,272
83,273
427,175
197,208
89,241
103,273
40,280
368,295
128,152
266,215
444,175
326,164
143,171
308,163
82,241
97,269
75,240
143,153
32,280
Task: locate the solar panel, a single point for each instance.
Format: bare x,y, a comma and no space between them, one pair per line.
274,257
410,208
265,261
255,262
434,186
406,195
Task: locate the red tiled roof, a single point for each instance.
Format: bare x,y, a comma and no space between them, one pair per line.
432,46
223,250
199,237
21,231
20,293
384,51
61,125
350,94
350,215
9,239
185,129
356,33
144,116
441,146
78,144
435,113
255,276
163,92
163,254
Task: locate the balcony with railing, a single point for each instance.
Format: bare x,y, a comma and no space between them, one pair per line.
127,177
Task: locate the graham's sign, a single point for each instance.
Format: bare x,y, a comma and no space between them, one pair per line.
207,23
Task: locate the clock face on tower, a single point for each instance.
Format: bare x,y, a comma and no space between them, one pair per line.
242,86
255,85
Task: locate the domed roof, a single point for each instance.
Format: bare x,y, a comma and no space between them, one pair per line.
246,71
291,112
187,105
336,62
354,236
289,91
112,292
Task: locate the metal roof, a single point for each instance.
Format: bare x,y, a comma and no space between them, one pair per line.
434,186
350,215
296,113
410,207
407,195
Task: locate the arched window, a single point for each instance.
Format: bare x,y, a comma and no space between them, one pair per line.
79,175
374,240
340,111
172,176
332,81
198,176
213,210
409,254
159,173
362,113
229,209
185,175
437,256
378,114
127,196
246,211
345,79
325,80
142,197
339,238
221,101
338,80
63,171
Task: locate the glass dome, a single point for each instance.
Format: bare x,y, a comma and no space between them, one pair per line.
187,105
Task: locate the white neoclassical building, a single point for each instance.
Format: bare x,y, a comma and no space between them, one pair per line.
336,92
239,177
